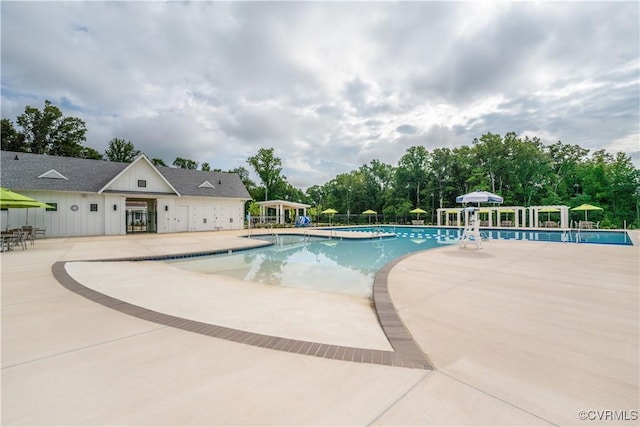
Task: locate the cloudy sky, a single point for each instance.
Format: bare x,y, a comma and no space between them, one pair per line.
329,85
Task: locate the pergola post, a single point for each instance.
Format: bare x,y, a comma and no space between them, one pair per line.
280,207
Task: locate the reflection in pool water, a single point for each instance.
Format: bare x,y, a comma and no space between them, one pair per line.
330,265
349,265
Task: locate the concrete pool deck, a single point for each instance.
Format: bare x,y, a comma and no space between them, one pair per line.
520,333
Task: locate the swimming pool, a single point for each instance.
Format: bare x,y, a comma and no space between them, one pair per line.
444,235
349,266
331,265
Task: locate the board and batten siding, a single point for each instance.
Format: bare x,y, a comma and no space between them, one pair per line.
199,214
141,171
181,214
65,221
115,220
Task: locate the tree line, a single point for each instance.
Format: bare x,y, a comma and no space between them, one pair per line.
49,132
524,171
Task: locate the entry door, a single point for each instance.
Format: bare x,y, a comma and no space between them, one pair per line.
182,218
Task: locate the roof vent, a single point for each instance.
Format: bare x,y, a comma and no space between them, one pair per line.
206,184
53,174
16,157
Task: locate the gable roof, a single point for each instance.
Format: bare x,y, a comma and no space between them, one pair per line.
20,171
187,182
52,174
140,158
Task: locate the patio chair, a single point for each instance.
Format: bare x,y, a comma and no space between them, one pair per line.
40,232
17,238
5,242
29,233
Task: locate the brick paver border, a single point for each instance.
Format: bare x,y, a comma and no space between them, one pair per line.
406,354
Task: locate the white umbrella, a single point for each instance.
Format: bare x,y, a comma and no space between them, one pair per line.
479,197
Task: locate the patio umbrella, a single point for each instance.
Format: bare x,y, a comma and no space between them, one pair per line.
586,208
549,210
369,212
418,211
11,199
479,197
329,212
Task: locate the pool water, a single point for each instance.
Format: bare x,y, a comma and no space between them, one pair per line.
331,265
583,236
349,265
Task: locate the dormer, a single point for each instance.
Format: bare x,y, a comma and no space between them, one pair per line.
206,184
52,174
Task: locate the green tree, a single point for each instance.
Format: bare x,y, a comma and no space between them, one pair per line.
244,175
624,180
411,175
254,209
10,138
90,153
120,150
269,169
377,183
529,169
339,194
315,196
293,194
205,167
563,162
185,163
158,162
49,132
493,163
441,175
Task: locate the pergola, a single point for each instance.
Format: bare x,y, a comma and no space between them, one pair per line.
280,207
536,211
505,216
497,216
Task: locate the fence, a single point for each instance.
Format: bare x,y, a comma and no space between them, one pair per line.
141,222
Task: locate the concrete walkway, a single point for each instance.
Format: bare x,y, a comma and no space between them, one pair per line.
520,334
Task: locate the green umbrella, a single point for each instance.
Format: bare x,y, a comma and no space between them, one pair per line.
369,212
329,212
586,208
418,211
11,199
549,210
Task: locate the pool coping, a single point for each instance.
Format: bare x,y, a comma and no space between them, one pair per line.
406,352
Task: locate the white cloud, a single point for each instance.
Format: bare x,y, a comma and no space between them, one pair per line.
329,85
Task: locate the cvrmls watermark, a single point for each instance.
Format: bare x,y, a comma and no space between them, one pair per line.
608,415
